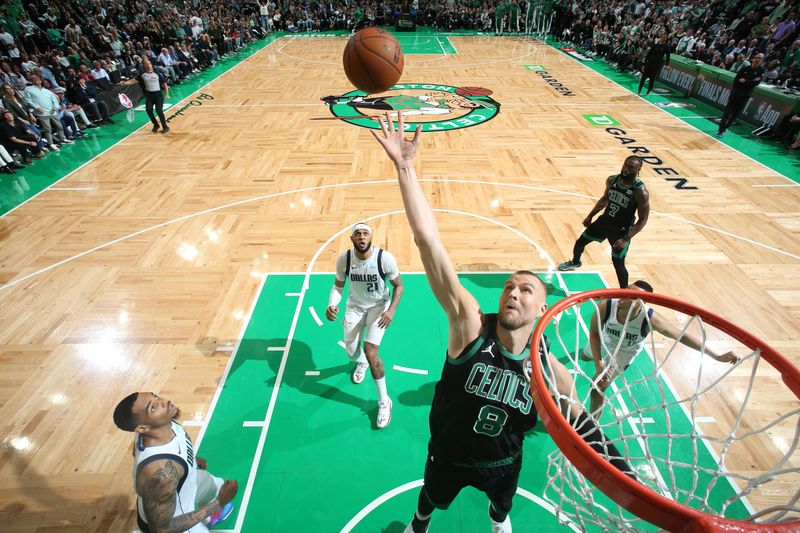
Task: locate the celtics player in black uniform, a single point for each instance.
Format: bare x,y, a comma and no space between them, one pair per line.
625,197
482,405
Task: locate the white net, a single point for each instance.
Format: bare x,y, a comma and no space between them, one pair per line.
719,437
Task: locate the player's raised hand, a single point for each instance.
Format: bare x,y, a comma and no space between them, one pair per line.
398,148
728,357
331,312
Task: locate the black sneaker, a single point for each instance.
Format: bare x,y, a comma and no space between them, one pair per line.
569,265
155,128
165,130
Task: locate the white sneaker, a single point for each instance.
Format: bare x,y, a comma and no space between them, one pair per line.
384,414
359,372
501,527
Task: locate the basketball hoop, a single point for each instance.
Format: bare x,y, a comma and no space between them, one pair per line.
688,480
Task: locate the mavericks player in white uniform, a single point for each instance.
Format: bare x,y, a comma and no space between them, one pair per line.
621,335
370,308
175,491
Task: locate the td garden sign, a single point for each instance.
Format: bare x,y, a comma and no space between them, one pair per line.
435,107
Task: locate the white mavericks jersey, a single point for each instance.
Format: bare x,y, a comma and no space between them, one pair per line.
621,340
367,278
180,450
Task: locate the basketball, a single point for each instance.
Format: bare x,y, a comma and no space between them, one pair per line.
373,60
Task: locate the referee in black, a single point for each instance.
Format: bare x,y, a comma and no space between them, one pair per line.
743,84
151,83
657,56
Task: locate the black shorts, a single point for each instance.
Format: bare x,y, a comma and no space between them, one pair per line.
443,482
605,228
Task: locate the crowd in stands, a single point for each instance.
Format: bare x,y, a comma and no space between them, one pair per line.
726,34
58,56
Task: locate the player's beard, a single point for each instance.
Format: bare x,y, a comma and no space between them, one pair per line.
511,324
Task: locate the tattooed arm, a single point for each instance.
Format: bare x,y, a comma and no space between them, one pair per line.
157,485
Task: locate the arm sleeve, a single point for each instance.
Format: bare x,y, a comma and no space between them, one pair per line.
390,266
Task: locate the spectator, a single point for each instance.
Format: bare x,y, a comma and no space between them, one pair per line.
86,96
772,72
744,82
98,72
15,137
72,32
45,106
657,56
18,108
740,63
785,29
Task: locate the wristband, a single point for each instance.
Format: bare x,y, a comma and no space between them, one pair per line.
335,297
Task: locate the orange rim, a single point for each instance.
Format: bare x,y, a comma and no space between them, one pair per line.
632,496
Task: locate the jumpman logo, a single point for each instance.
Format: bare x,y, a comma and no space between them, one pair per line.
488,350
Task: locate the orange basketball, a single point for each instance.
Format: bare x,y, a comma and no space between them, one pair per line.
373,60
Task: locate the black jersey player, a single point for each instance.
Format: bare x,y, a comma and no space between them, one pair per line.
482,404
625,197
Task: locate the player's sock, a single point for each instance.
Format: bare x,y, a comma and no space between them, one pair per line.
577,250
381,385
622,272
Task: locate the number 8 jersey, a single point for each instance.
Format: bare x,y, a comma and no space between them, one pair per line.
367,278
482,406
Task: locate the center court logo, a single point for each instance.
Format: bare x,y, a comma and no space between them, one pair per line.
435,107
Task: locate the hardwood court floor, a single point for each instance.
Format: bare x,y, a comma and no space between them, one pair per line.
180,231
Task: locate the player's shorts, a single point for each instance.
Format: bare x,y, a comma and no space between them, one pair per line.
443,482
620,360
362,324
605,228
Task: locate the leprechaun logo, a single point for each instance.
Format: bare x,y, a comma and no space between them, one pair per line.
435,107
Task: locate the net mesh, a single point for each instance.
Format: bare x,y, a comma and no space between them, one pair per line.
718,437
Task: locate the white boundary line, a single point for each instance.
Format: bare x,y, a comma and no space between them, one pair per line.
451,44
374,182
137,129
314,315
779,185
408,370
675,117
224,378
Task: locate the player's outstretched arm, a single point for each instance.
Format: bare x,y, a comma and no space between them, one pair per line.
461,308
687,339
157,484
